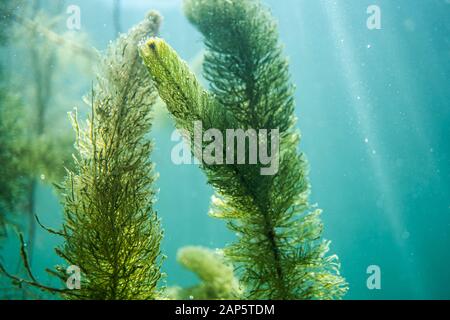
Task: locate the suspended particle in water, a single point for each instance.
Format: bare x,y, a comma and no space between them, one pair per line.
405,235
409,25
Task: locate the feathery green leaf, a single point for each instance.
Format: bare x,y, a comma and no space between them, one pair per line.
278,251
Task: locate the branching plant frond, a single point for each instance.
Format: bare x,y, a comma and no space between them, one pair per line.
279,251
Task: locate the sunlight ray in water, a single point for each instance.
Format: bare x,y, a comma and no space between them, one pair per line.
363,110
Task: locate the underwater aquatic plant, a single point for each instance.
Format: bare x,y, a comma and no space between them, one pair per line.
7,8
12,172
218,280
111,231
279,250
12,131
45,147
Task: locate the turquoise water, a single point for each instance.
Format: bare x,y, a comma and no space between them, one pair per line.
373,108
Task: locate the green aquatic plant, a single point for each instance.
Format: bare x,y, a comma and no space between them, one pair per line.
216,275
12,172
111,233
11,128
7,8
46,144
279,251
25,158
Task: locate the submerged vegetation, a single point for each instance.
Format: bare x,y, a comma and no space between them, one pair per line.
34,150
111,230
217,276
11,110
279,250
11,168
